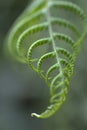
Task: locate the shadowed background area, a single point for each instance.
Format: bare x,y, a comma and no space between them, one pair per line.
22,91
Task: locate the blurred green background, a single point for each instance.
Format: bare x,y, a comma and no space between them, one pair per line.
23,92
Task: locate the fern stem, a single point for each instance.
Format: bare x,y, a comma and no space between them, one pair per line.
48,16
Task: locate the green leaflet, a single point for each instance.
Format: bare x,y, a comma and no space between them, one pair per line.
49,43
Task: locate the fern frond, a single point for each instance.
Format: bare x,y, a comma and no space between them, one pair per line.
36,39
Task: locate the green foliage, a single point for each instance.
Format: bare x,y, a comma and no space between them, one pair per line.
49,43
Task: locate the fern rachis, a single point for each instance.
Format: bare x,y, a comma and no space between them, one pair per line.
35,29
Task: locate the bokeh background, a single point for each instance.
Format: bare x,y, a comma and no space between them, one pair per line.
22,91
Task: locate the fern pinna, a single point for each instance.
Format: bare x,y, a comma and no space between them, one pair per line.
48,38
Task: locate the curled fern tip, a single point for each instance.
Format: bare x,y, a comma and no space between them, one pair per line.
49,43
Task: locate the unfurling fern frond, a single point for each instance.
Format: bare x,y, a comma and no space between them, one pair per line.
47,37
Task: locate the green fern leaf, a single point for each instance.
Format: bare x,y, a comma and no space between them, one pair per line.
37,38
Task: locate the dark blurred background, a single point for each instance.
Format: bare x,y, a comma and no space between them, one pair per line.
23,92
